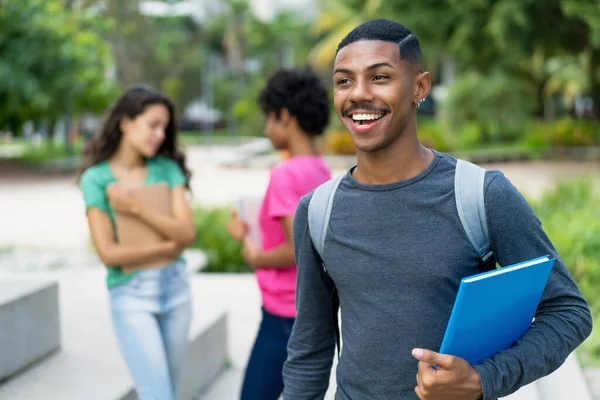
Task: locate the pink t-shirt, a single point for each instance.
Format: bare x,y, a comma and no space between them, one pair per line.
289,181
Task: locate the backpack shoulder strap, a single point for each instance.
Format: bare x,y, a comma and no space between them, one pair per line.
319,212
469,180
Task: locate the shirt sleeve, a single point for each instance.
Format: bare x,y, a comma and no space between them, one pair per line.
283,199
562,320
311,346
94,192
175,175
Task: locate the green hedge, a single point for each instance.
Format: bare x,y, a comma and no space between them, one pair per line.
533,136
571,217
43,152
565,132
223,252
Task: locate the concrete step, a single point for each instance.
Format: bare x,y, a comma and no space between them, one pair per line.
239,155
528,392
227,386
29,322
89,365
567,382
592,377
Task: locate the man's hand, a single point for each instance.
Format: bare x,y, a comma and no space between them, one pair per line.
453,379
120,200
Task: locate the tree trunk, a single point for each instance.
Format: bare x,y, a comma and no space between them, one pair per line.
594,77
549,114
543,102
51,130
237,55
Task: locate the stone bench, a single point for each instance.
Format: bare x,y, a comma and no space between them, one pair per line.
29,322
89,365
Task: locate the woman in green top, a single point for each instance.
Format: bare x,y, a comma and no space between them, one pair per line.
151,308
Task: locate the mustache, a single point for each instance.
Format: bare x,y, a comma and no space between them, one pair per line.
365,107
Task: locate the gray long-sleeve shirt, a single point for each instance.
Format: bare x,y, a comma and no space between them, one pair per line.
397,253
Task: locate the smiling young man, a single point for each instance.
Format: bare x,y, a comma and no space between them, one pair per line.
396,252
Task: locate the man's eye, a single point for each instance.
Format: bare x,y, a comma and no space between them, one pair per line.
343,81
379,77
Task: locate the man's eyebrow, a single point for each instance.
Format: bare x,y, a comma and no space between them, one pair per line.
369,68
377,65
342,71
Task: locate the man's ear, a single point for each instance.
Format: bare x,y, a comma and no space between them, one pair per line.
422,87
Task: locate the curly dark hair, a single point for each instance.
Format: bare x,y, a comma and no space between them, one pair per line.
302,93
132,103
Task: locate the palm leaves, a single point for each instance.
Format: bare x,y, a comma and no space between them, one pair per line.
335,21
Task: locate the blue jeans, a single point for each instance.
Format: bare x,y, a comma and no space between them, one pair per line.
264,380
151,316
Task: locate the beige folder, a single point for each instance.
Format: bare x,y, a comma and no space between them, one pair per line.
131,230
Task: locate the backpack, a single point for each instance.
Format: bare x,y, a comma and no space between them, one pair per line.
469,182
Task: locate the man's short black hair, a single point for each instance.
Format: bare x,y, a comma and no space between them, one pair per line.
387,31
302,93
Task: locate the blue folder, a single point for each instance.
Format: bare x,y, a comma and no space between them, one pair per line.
494,309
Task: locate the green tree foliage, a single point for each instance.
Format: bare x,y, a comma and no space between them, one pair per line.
52,60
501,107
167,52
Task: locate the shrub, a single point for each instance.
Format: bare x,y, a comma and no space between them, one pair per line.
496,102
338,141
571,218
562,133
432,134
222,251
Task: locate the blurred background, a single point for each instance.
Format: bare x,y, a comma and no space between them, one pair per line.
516,87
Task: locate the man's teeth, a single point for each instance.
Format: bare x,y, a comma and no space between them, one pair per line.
366,117
361,118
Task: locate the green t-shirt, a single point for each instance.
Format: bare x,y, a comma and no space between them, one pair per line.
93,184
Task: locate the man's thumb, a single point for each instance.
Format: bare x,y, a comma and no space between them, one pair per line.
431,357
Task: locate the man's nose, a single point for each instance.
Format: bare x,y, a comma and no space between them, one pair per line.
361,92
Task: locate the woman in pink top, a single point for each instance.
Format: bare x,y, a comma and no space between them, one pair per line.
296,107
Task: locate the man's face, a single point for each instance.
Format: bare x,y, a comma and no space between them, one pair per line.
374,92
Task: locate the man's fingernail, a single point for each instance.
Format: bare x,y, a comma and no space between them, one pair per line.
417,352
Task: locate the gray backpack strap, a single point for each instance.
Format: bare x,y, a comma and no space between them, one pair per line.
319,211
469,180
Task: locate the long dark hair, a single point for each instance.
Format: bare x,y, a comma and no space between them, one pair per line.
132,103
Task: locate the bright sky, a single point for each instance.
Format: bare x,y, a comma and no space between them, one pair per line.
264,9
